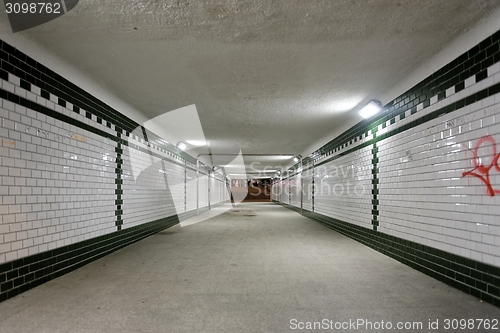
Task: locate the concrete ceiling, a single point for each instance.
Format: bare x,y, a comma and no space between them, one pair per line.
270,76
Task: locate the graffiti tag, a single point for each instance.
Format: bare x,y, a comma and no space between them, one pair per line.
482,170
56,137
7,143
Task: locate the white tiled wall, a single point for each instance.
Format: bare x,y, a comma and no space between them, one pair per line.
425,196
276,189
285,191
58,181
176,182
146,197
307,178
190,189
295,188
203,190
226,192
222,188
216,188
342,188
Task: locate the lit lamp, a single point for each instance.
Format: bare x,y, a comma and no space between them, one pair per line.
297,159
181,145
370,109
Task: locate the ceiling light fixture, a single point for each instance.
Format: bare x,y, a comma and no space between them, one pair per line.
297,158
196,142
370,109
181,145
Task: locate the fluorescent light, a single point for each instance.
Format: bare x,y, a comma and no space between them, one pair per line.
181,145
196,142
248,174
279,157
297,158
370,109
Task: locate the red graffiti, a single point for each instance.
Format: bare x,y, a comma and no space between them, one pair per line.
482,171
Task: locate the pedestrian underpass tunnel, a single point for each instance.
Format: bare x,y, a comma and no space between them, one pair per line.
250,166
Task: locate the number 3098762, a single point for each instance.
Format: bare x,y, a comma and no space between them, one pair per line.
33,8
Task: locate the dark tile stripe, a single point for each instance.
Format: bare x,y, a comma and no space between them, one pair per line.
375,211
119,182
54,114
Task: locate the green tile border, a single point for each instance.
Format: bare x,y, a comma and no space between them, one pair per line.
375,171
118,182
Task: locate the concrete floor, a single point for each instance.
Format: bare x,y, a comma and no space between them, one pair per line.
249,270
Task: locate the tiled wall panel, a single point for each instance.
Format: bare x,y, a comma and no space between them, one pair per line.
425,194
295,188
146,197
191,189
227,192
222,191
276,190
342,188
221,184
307,188
215,190
203,182
285,193
57,180
176,183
